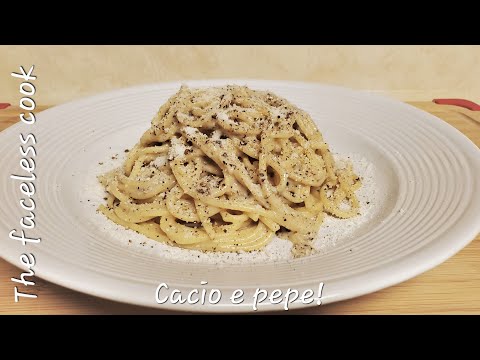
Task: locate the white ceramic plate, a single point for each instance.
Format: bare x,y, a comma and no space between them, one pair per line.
429,170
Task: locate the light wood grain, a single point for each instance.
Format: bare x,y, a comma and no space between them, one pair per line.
451,288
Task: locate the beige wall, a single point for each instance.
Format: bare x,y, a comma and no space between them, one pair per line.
406,72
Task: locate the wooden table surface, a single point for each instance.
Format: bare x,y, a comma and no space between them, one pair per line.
451,288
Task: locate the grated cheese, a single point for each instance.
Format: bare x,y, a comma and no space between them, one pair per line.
332,232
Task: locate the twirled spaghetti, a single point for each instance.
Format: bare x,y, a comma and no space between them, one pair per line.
224,169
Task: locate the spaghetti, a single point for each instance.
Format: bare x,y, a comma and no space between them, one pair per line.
224,169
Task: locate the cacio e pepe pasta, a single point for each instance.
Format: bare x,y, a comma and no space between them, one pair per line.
227,168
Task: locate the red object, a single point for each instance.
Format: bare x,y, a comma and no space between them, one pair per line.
458,102
4,105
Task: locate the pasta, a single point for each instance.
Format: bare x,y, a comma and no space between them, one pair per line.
224,169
